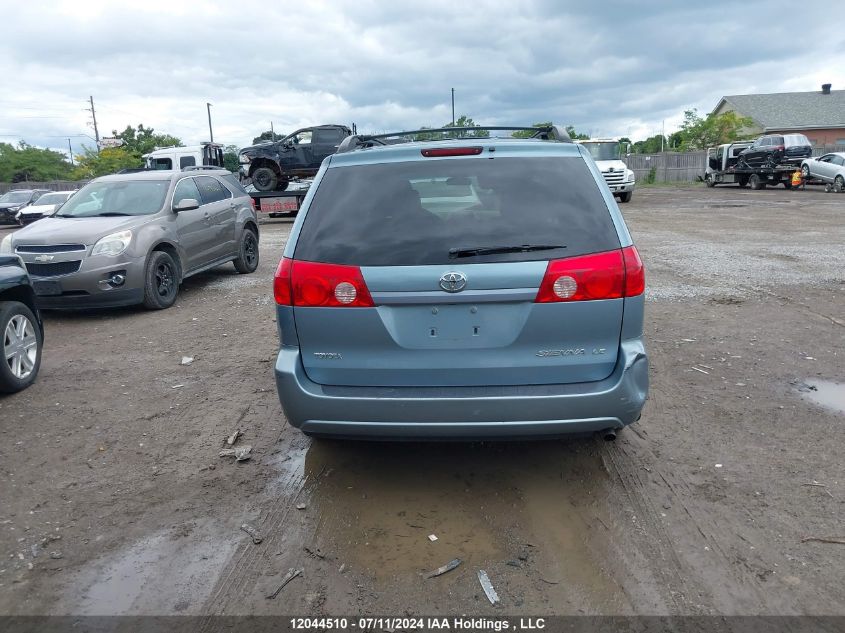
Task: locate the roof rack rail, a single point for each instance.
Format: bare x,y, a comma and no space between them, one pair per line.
134,170
202,168
363,141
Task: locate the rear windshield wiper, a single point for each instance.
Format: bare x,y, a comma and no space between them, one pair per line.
494,250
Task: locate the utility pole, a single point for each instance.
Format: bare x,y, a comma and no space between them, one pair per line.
70,151
272,133
453,107
210,133
94,117
662,134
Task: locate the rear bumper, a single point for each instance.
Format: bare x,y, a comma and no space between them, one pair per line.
464,412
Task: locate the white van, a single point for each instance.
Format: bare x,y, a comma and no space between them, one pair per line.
169,158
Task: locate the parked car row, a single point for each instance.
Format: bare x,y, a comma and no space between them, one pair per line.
402,309
132,238
13,201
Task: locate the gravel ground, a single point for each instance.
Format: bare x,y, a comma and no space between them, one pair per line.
114,499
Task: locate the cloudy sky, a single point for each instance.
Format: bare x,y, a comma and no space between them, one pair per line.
610,68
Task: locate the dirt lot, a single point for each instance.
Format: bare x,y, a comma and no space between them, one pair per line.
113,498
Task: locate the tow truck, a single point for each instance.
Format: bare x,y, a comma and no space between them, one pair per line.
607,153
280,204
723,168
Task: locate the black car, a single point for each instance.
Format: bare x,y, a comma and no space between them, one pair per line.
299,155
776,149
21,330
13,201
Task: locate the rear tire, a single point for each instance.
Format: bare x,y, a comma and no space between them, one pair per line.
265,179
626,197
161,281
19,336
247,260
756,182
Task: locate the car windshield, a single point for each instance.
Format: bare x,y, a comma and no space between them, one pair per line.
137,197
603,151
422,213
15,196
52,198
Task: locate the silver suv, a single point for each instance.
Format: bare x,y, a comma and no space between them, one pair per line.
132,238
467,288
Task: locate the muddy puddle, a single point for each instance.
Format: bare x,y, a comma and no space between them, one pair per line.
170,572
534,515
830,395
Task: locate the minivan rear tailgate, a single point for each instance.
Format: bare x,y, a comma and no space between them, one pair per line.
490,333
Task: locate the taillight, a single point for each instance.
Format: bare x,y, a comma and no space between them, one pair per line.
609,275
328,285
634,272
281,283
451,151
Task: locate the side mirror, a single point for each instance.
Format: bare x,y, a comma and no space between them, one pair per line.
186,204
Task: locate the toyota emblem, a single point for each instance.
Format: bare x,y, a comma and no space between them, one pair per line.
453,282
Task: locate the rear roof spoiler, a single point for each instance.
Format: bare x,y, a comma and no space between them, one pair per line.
363,141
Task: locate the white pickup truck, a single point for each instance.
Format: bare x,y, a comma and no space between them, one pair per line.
607,153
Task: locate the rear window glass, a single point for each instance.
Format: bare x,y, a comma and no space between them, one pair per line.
211,190
796,139
234,185
413,213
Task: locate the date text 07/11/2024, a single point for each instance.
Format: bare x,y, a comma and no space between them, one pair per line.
467,624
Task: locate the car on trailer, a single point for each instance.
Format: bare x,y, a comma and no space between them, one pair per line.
772,150
273,165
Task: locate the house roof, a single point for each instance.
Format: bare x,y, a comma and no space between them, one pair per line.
791,110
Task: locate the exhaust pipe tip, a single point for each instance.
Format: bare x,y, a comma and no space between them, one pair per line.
609,435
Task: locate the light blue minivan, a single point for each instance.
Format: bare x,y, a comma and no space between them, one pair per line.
477,287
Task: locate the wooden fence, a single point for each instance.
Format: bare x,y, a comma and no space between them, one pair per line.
687,166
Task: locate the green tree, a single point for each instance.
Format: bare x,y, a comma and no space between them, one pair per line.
700,133
529,133
576,135
267,136
143,140
91,164
465,121
25,162
569,130
230,158
651,145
